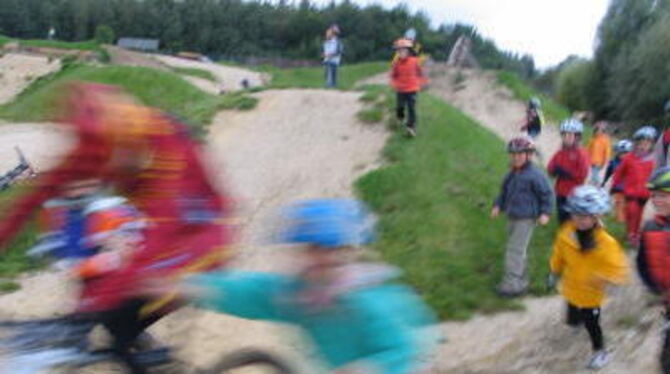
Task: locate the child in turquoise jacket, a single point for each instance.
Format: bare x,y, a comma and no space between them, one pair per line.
360,320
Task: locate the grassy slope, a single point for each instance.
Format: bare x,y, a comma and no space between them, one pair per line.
552,110
4,40
163,90
14,260
434,200
313,77
81,46
195,72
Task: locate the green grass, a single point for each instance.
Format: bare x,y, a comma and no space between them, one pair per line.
80,46
4,40
8,286
553,111
434,199
195,72
14,261
238,101
164,90
371,115
372,93
313,77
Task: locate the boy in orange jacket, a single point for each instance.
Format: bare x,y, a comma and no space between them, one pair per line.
600,151
407,79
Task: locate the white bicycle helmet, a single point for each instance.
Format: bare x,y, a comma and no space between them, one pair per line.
572,126
623,146
645,133
589,200
410,34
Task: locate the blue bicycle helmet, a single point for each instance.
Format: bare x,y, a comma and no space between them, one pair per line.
329,223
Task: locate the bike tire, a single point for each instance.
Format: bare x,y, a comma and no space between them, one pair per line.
250,358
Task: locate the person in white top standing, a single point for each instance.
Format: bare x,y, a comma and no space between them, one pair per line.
332,55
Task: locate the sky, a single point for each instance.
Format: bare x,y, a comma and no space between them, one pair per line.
550,30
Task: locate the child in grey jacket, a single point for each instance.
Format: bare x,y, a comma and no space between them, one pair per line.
526,197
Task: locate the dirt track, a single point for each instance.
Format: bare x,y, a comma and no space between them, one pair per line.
18,71
228,78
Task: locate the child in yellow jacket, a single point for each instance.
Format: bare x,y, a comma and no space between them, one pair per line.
587,259
600,151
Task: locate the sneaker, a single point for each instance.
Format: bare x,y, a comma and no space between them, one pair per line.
508,291
599,360
411,132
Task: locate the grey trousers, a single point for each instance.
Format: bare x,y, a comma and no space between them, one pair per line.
519,233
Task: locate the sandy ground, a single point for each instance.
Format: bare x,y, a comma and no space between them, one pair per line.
266,157
229,78
42,144
18,71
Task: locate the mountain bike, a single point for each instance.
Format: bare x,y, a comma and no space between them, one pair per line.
61,345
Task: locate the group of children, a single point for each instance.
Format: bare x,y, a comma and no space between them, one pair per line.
585,258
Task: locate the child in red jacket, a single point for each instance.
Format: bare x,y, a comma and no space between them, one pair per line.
570,165
634,171
407,79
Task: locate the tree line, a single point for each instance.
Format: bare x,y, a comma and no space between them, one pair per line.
236,29
627,79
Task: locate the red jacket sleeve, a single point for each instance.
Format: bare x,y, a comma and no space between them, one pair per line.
82,162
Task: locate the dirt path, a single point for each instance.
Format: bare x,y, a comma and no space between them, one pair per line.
122,56
18,71
478,95
228,78
272,156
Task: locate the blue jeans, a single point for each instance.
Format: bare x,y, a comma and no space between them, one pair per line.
331,74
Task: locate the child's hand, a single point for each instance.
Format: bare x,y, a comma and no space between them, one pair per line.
495,212
552,280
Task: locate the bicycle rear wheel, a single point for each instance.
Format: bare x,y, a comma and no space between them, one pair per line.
250,361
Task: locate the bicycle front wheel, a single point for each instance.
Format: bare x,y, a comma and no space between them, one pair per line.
250,361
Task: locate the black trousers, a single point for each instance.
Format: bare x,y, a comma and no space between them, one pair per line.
125,325
406,100
563,214
590,317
